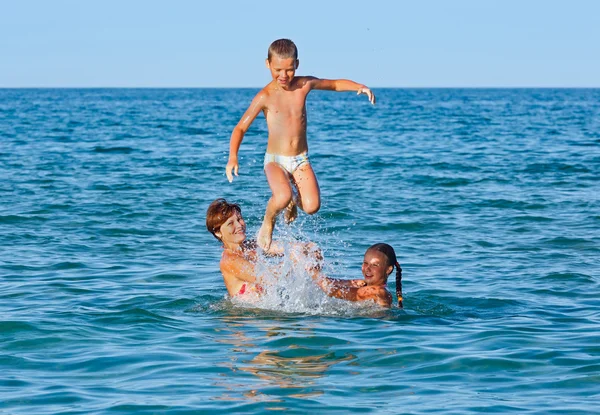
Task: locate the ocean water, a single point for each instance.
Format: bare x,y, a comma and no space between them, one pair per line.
111,300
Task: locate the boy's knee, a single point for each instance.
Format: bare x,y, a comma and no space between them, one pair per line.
282,199
311,207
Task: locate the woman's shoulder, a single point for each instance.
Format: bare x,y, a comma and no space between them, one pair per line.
236,258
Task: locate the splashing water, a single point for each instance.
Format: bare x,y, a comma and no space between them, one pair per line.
288,285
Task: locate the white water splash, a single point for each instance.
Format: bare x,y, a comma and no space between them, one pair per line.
288,286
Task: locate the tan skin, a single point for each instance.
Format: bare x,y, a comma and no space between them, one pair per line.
239,256
375,269
239,259
283,102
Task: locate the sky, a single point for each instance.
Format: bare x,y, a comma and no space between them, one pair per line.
221,43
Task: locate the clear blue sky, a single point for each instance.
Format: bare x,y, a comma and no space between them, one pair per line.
221,43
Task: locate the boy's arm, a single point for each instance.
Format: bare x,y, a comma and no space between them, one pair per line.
340,85
257,104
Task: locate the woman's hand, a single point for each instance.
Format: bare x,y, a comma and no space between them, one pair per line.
314,256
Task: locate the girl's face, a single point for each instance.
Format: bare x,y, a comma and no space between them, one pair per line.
233,231
375,268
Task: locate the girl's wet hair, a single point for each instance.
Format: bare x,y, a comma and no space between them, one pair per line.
217,214
284,48
390,254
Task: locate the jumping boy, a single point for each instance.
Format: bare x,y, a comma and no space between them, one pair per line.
283,102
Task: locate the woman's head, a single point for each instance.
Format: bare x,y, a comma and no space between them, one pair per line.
224,220
379,262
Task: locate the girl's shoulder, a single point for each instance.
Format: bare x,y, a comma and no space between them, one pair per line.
377,293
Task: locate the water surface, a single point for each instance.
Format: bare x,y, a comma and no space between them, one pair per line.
112,301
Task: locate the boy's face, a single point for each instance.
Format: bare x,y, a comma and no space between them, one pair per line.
282,70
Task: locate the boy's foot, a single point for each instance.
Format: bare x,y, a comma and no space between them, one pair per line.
291,212
265,234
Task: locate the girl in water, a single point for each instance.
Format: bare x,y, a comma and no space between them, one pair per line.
378,263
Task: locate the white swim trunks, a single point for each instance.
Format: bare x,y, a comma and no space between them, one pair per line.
289,163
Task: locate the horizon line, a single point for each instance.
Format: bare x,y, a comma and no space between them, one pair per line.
258,87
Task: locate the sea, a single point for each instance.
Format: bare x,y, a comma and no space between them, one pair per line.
112,302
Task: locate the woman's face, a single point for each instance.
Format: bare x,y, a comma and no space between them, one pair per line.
233,231
375,268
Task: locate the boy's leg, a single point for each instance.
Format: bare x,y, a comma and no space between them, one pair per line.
291,212
279,182
309,194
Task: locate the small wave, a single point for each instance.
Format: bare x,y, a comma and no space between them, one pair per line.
532,218
60,266
134,315
567,242
16,326
194,131
113,150
510,204
18,219
428,180
569,277
453,182
555,167
445,166
407,226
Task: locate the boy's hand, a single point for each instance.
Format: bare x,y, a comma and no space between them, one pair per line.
368,93
232,165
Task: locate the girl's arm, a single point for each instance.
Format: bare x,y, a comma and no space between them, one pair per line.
343,283
353,290
338,288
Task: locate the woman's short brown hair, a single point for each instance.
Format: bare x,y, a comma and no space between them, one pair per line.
217,214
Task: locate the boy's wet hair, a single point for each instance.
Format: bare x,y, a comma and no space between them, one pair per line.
390,254
284,48
217,214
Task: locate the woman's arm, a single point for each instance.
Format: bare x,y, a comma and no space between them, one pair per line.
238,267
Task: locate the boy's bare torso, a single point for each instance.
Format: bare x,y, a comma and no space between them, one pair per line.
285,111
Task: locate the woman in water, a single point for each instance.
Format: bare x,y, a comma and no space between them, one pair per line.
238,261
224,220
